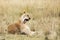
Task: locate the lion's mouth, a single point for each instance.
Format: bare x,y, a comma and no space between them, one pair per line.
26,20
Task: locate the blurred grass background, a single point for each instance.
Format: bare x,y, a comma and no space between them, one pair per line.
45,18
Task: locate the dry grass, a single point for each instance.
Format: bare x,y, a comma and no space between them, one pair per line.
45,20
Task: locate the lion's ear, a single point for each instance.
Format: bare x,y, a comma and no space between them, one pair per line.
24,12
21,13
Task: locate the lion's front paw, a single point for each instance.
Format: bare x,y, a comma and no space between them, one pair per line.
32,33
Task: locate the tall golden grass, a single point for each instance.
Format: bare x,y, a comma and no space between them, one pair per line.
45,18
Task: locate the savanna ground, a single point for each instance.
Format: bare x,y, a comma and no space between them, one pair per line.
45,18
